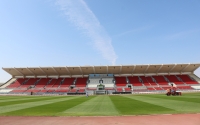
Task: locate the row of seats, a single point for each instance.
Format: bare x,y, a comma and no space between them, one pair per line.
48,82
155,80
153,88
120,81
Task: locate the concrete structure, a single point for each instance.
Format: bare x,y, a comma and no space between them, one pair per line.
118,70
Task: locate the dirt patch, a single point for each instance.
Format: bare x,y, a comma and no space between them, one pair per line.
177,119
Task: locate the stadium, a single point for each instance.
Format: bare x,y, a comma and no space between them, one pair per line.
124,79
124,90
99,62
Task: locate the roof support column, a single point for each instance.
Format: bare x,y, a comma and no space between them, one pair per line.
120,70
146,69
43,72
31,72
56,71
68,71
107,69
172,69
81,71
133,69
184,68
94,70
19,72
159,69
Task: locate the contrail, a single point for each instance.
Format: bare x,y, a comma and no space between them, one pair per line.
84,19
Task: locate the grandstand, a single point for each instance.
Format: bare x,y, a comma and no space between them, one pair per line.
101,79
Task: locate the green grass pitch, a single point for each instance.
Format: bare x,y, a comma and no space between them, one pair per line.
103,105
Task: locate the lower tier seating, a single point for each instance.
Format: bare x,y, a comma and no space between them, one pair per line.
127,89
119,90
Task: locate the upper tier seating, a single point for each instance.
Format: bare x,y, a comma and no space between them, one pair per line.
67,82
120,81
30,82
51,83
42,83
149,79
160,80
187,79
81,82
174,79
58,82
135,81
17,83
145,82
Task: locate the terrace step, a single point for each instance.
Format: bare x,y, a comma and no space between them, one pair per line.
8,83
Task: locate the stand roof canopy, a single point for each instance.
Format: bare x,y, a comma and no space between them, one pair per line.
74,71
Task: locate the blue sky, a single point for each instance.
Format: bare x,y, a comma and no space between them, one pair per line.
98,32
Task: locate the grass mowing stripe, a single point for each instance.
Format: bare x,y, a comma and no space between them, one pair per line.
184,95
22,98
197,97
181,98
18,101
15,97
179,106
19,97
127,106
49,109
98,105
10,108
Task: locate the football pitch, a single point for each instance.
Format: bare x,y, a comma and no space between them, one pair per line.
102,105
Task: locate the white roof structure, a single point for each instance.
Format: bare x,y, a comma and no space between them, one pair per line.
117,70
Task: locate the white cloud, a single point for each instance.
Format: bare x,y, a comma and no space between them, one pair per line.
84,19
136,30
182,34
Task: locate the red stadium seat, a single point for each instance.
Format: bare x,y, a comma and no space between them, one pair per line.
135,81
120,81
81,82
174,79
160,80
187,79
